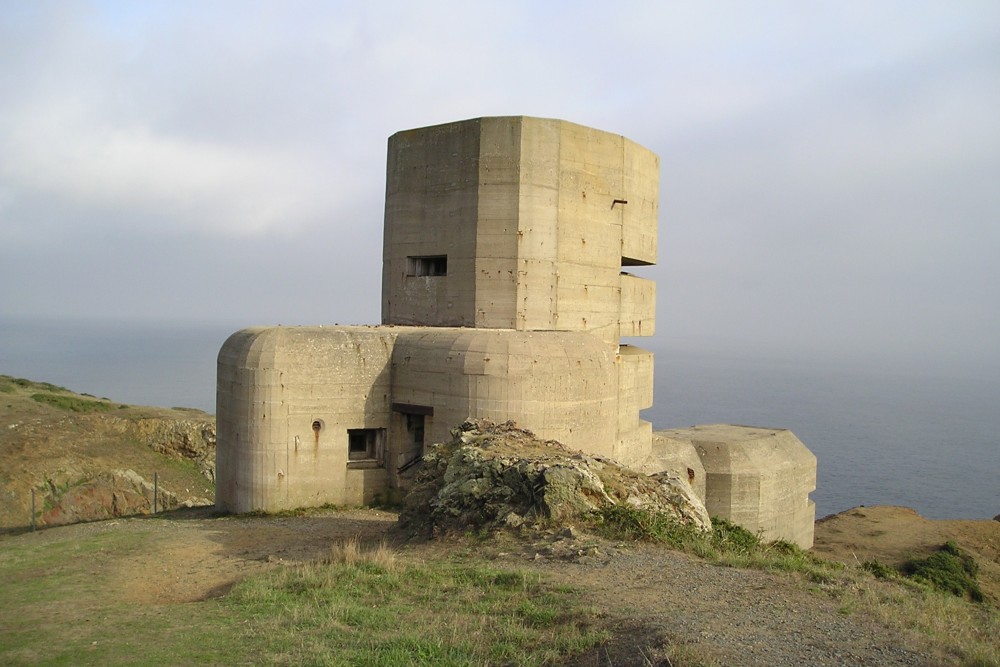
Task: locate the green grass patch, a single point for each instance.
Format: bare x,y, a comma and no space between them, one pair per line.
64,603
70,601
72,403
726,544
374,611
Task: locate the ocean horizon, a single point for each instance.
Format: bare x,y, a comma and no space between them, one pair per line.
881,436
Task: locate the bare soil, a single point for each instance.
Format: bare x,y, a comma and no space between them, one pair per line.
660,603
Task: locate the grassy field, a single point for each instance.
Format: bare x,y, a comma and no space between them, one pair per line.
61,608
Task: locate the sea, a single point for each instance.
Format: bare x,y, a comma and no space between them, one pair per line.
881,436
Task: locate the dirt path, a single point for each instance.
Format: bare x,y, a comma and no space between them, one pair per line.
196,556
653,597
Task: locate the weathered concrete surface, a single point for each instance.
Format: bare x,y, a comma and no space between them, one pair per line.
677,455
276,384
561,384
536,217
286,398
758,478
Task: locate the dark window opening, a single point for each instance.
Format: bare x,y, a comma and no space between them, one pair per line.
365,443
434,265
415,427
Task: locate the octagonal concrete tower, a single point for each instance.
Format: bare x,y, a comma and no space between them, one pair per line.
528,224
520,223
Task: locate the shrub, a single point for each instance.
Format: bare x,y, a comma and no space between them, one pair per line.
950,569
879,569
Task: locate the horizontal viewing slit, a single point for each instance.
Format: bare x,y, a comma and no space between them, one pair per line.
431,265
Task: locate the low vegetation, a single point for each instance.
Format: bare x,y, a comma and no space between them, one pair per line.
370,608
359,606
8,385
726,544
72,403
929,595
950,570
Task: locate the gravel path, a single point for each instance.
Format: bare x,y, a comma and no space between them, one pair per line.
741,618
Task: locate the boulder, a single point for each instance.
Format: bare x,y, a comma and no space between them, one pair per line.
492,476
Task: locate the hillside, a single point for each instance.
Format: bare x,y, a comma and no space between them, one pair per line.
90,458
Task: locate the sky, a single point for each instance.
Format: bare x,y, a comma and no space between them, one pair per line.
830,171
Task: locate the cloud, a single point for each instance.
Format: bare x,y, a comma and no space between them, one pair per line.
835,164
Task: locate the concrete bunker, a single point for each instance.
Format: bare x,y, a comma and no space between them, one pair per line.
503,297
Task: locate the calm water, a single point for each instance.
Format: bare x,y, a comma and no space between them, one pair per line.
880,437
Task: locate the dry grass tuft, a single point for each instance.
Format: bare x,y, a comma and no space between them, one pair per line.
351,552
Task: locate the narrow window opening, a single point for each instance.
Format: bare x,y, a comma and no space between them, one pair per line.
431,265
415,427
365,444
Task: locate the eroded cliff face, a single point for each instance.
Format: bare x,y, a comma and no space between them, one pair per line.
179,439
491,476
100,464
87,493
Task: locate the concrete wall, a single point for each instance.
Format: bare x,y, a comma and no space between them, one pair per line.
536,216
758,478
679,456
274,384
289,397
432,209
560,385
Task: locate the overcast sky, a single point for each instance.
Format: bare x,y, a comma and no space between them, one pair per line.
830,170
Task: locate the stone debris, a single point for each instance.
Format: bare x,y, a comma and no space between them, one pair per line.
497,476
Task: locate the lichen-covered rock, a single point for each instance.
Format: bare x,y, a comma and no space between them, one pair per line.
499,476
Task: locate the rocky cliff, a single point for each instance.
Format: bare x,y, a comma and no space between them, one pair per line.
87,458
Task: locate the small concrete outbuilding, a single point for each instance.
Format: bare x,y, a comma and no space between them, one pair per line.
506,291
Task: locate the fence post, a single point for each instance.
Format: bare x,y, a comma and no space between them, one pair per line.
32,510
156,490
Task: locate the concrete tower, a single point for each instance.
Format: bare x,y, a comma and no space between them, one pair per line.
506,294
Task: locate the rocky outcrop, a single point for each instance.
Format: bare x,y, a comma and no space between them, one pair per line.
103,496
190,439
492,476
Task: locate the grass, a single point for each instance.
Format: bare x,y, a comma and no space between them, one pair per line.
726,544
949,570
367,607
72,403
9,385
64,604
964,630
